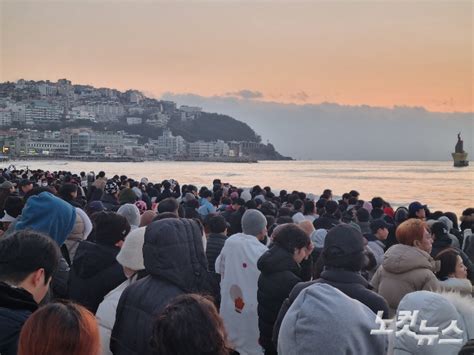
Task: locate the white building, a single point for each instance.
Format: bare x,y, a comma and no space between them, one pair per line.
105,110
41,112
135,97
134,120
208,149
190,109
5,117
158,119
97,143
47,89
168,144
76,113
50,148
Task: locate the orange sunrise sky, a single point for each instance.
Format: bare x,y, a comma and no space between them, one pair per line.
378,53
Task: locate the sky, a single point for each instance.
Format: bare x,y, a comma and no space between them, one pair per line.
376,53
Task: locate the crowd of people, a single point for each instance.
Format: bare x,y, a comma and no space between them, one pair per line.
93,264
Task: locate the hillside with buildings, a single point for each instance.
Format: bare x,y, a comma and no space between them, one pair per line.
62,120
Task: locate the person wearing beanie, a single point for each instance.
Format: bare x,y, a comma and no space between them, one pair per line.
362,218
110,197
343,257
407,267
95,270
130,257
237,265
325,320
176,264
131,213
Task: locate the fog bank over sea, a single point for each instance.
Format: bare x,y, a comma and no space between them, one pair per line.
336,132
437,184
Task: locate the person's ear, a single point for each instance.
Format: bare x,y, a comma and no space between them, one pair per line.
38,278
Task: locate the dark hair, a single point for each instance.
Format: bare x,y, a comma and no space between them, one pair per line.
377,202
166,184
448,259
346,196
309,207
362,215
14,206
190,324
66,190
206,194
110,227
101,174
251,205
453,218
284,211
60,328
168,205
217,224
290,237
331,207
25,252
36,191
297,204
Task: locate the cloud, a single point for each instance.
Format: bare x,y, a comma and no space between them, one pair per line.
300,96
246,94
343,132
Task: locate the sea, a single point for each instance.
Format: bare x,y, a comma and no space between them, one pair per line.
435,183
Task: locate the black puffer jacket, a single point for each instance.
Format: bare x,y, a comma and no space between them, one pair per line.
174,258
16,305
279,274
215,243
94,273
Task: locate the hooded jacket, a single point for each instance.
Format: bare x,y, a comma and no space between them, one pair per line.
131,213
94,273
56,218
48,214
175,261
404,269
16,305
237,265
438,310
279,274
324,320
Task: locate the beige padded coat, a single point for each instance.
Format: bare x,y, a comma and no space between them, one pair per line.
404,269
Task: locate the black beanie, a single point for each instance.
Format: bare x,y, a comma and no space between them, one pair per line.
344,248
110,228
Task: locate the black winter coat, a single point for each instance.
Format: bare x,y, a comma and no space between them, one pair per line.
279,274
349,282
94,273
16,305
174,258
215,243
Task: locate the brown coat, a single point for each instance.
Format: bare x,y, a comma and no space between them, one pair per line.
404,269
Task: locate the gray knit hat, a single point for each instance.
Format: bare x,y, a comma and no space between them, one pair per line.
253,222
